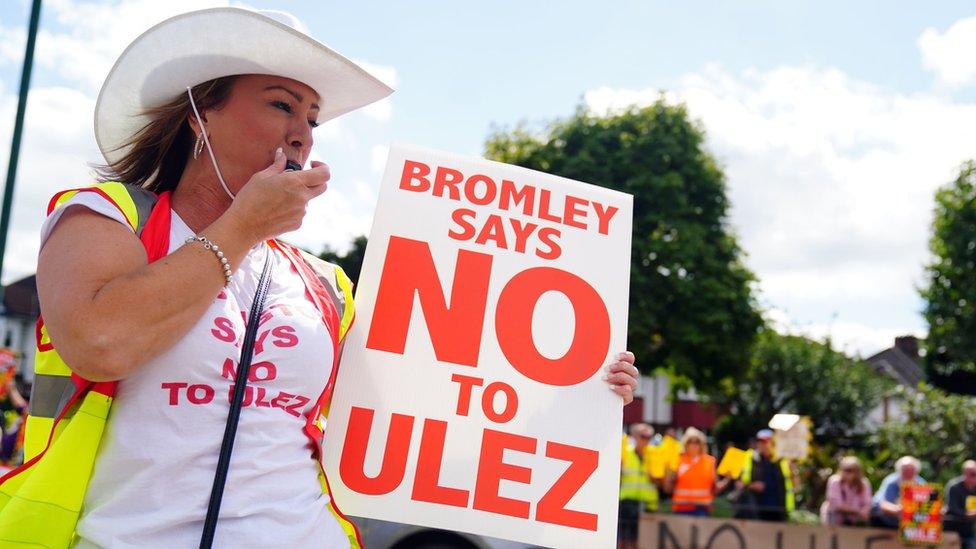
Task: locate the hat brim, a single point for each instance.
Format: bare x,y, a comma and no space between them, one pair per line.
199,46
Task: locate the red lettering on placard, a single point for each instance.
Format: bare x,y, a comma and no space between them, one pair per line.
414,176
512,196
224,329
447,179
174,391
549,237
545,195
426,485
522,234
552,506
467,231
492,470
513,321
455,330
471,190
494,230
604,215
574,209
353,459
464,391
488,402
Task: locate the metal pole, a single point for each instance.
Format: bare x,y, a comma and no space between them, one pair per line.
8,190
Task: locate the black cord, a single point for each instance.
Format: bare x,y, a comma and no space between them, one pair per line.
234,414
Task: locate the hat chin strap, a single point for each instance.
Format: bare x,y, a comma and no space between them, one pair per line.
206,141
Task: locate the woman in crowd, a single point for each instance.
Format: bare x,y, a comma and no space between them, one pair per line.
693,486
848,499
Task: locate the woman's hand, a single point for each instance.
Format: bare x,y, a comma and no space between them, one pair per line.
273,201
622,376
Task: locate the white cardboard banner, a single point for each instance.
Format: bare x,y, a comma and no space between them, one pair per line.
470,395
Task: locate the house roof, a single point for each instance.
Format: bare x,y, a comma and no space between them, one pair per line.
20,298
897,365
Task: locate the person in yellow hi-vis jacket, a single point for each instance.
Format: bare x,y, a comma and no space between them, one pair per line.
637,491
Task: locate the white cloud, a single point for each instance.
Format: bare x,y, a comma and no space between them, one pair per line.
381,110
850,337
831,181
378,156
950,54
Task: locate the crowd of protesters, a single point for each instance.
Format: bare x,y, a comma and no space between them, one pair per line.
765,487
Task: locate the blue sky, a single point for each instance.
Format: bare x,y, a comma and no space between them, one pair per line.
835,121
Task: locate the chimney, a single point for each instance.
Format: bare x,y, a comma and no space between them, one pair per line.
908,345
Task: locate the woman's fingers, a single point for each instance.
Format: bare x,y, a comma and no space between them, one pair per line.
624,391
624,367
621,378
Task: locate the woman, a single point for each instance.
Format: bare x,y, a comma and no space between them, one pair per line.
693,485
848,500
206,109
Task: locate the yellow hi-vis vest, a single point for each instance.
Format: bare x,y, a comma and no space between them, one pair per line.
40,502
635,484
784,466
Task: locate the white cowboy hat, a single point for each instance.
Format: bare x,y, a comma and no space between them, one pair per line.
198,46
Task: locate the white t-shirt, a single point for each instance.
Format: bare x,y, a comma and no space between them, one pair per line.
156,463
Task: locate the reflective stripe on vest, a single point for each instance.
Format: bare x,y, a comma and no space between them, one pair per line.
634,482
784,466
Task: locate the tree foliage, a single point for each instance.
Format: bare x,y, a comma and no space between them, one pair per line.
950,291
692,311
352,261
794,374
939,429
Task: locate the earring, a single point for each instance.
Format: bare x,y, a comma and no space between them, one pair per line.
198,146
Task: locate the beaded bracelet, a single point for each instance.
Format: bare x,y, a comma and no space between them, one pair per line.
208,244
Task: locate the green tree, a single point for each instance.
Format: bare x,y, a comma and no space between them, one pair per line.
351,261
794,374
692,310
950,290
939,429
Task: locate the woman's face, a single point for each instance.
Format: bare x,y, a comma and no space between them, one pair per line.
261,113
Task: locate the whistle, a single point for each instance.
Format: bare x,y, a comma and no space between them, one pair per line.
291,165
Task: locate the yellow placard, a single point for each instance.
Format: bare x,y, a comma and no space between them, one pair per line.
671,452
732,462
971,503
654,462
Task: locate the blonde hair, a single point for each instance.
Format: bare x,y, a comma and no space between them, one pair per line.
852,462
691,433
157,154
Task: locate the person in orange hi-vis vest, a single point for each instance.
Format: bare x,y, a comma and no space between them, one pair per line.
693,486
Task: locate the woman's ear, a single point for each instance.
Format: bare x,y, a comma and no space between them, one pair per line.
194,123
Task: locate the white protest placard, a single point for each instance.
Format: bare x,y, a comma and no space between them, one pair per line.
470,395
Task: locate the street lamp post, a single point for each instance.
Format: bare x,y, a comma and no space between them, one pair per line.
8,191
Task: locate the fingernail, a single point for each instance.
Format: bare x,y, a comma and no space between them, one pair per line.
279,153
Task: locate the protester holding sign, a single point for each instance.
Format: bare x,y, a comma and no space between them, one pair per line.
960,497
886,503
848,500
